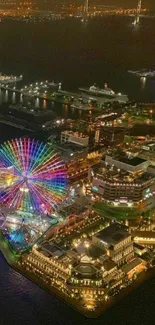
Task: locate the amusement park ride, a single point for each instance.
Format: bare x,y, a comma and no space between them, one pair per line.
33,184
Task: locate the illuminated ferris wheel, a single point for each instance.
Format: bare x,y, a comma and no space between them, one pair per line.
32,176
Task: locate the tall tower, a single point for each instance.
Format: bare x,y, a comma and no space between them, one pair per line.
138,11
85,10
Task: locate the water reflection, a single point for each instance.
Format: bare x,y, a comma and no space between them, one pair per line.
44,105
37,103
14,97
143,82
21,98
66,110
6,96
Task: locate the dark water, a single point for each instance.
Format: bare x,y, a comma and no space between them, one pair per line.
8,132
78,55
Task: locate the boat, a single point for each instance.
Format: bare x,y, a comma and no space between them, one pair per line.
106,92
96,91
144,73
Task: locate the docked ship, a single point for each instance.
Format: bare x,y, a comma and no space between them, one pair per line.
106,92
143,73
4,79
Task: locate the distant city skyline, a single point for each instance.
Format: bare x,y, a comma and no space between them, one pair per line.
127,3
119,3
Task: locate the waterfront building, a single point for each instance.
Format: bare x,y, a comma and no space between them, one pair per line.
117,242
74,271
86,270
134,267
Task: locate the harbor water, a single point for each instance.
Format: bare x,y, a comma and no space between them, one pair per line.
81,54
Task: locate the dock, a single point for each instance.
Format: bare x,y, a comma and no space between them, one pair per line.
52,92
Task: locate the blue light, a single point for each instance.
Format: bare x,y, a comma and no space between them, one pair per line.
95,188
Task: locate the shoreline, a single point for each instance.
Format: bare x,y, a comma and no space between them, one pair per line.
102,306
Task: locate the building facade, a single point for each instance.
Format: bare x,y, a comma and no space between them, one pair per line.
123,191
74,137
117,242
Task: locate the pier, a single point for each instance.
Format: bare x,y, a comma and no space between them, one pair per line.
38,94
13,123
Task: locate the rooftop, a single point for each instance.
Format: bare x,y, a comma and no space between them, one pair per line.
92,251
135,161
151,166
109,265
133,264
144,234
73,210
113,175
69,147
113,130
53,249
113,234
85,269
140,247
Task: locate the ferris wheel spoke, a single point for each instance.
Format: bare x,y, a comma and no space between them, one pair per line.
34,176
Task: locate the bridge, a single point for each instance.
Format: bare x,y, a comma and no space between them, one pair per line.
136,20
14,89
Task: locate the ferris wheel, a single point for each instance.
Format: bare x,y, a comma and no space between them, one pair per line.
33,176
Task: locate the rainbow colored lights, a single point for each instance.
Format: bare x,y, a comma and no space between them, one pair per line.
32,176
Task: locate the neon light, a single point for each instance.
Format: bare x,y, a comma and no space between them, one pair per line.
37,179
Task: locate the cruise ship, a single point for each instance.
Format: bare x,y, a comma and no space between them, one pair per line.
143,73
106,92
